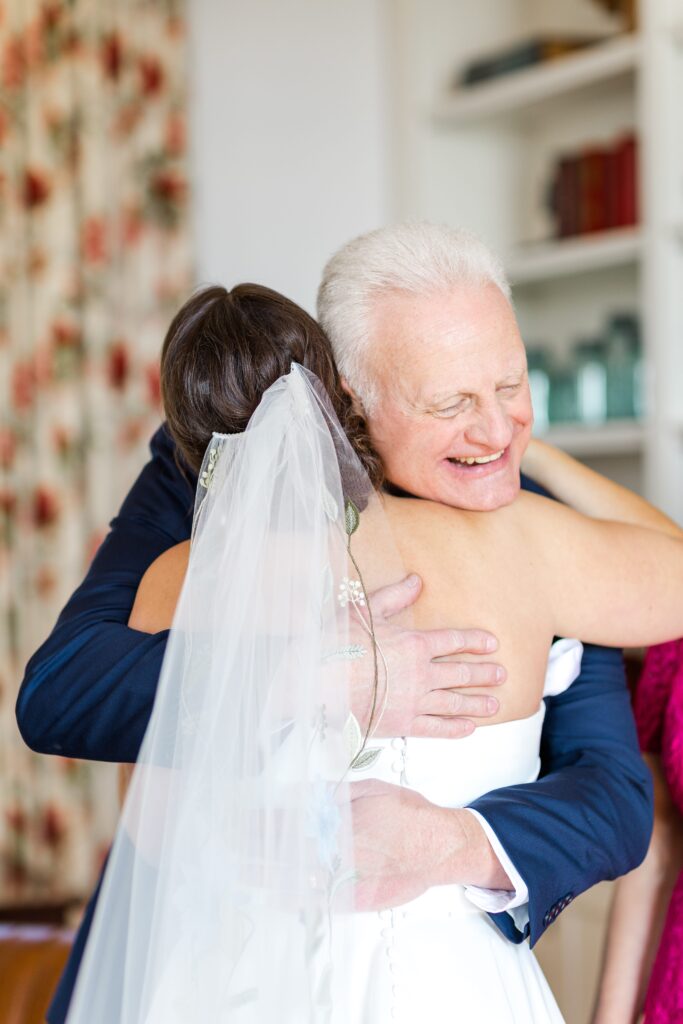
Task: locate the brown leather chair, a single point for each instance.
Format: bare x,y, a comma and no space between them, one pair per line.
32,958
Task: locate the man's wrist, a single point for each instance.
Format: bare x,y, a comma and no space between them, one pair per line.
466,855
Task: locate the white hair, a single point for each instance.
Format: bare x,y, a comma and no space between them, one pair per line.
414,257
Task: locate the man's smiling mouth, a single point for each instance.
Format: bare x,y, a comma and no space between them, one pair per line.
481,460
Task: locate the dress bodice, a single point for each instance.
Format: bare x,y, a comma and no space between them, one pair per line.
452,773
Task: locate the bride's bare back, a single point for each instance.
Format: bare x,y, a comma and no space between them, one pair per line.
526,572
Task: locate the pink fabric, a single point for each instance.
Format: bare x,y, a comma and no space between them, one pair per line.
659,715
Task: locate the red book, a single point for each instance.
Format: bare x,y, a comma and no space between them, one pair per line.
612,188
593,188
626,158
566,197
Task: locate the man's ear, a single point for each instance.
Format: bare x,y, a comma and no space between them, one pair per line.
355,400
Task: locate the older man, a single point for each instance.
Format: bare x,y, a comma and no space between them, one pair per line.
426,339
88,691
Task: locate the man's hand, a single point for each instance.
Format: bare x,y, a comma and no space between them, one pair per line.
424,696
403,845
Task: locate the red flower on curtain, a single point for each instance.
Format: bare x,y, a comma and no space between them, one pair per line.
17,819
45,506
151,75
94,237
8,447
13,63
53,826
118,365
36,188
176,133
92,180
24,384
153,380
111,54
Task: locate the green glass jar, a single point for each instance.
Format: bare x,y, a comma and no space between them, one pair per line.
539,366
562,405
590,361
624,367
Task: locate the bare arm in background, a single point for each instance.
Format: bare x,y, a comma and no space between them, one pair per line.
638,913
590,493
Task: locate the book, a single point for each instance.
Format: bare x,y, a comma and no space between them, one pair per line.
626,158
522,55
595,189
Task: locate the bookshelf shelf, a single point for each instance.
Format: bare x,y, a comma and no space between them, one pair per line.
616,437
524,89
546,261
588,139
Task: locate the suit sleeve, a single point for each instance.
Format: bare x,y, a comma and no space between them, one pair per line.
588,818
88,690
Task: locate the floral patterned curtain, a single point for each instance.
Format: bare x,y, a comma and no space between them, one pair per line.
94,260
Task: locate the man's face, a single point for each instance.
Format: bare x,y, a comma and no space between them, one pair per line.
451,375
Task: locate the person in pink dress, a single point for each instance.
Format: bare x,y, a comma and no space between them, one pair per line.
643,971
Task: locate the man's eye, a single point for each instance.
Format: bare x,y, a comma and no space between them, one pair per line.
510,387
451,410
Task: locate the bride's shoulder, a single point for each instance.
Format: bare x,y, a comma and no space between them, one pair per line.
157,595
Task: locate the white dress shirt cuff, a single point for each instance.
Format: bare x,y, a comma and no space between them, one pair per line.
497,901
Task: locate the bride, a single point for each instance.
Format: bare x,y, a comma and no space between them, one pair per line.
238,887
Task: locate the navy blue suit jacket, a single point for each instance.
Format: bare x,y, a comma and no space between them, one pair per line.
88,693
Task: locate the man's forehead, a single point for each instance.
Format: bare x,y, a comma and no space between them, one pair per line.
433,329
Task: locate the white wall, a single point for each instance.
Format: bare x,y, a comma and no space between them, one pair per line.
289,136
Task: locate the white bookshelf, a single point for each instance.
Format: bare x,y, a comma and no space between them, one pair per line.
544,261
516,93
615,437
481,157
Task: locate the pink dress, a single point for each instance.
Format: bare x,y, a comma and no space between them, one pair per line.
659,715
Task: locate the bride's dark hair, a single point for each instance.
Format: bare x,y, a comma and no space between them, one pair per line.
224,349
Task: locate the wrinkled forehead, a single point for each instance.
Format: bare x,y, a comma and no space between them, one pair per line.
464,338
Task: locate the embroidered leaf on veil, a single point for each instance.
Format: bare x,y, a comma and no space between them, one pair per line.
365,759
351,517
360,758
353,737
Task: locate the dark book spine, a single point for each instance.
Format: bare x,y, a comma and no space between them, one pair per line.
504,64
627,163
565,197
592,189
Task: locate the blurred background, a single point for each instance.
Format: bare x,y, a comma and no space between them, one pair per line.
149,145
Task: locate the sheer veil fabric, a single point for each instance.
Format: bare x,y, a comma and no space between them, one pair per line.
228,892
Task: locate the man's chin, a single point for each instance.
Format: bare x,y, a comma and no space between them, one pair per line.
482,495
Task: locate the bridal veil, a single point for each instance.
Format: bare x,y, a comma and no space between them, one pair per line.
229,887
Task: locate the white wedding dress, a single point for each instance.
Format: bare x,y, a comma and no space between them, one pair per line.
228,895
439,959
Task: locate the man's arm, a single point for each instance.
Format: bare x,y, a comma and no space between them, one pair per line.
88,690
589,817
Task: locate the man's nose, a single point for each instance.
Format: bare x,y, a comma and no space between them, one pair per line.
491,427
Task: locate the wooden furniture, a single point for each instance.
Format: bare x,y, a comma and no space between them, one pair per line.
32,958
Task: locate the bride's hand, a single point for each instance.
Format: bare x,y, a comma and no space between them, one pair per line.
425,697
